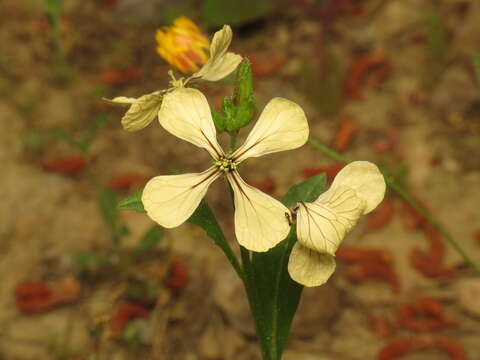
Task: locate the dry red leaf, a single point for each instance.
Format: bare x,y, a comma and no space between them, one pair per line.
387,142
178,276
423,314
33,297
413,219
124,314
266,185
431,262
374,65
126,181
399,347
373,271
117,77
381,327
330,171
381,216
355,255
345,133
266,68
476,236
70,165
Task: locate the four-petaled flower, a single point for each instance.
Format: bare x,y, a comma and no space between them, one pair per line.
260,220
321,225
220,64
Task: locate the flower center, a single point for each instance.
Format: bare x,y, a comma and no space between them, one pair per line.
225,164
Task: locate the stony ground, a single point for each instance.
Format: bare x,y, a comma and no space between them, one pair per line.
416,107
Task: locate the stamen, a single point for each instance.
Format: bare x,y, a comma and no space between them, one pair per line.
225,164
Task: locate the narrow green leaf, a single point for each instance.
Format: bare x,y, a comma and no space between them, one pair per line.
149,240
204,217
132,202
308,190
96,125
67,138
277,294
90,261
219,121
108,207
273,295
476,63
243,98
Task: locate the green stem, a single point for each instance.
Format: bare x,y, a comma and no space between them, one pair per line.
409,199
233,139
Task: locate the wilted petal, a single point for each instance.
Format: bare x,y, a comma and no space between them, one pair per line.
308,267
220,64
322,225
281,126
185,113
260,220
171,199
142,110
365,178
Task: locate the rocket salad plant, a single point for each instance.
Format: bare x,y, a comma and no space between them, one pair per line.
284,245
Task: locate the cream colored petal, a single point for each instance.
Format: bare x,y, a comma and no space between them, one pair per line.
220,64
185,113
322,225
122,100
223,67
366,179
308,267
281,126
221,41
171,199
260,220
142,110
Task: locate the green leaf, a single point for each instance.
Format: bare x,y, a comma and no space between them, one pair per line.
97,124
307,191
108,207
204,217
67,138
132,202
52,11
243,97
149,240
274,296
476,63
90,261
219,12
219,121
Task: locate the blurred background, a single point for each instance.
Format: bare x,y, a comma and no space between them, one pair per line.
389,81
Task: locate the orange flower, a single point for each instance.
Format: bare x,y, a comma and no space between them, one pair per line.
183,45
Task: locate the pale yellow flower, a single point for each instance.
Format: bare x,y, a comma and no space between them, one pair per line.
321,225
220,64
183,45
260,220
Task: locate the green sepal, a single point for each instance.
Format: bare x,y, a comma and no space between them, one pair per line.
132,202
